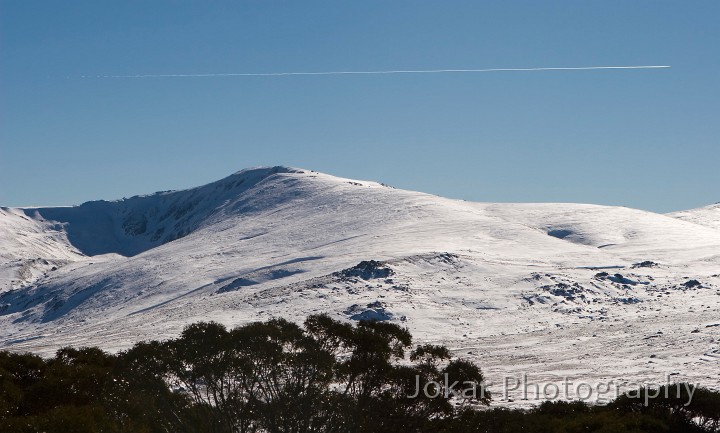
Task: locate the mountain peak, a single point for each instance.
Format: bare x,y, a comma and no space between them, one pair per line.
266,170
136,224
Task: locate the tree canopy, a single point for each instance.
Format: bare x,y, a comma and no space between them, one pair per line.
279,377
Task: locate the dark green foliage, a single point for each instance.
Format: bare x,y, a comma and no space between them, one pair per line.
278,377
84,390
556,417
669,403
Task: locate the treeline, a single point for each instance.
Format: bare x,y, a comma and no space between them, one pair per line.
275,376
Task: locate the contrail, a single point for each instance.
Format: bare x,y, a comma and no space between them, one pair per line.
421,71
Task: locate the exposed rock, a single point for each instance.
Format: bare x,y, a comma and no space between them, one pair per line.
368,269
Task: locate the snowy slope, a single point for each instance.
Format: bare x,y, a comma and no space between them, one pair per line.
29,248
707,216
550,289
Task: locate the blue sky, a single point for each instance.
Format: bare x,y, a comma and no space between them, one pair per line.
639,138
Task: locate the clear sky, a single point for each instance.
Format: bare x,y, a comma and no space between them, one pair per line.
648,139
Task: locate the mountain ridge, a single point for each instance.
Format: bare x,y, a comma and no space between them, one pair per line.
285,242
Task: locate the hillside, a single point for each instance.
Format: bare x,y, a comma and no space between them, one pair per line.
552,290
707,216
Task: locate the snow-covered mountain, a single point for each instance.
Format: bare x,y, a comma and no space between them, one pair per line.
551,290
